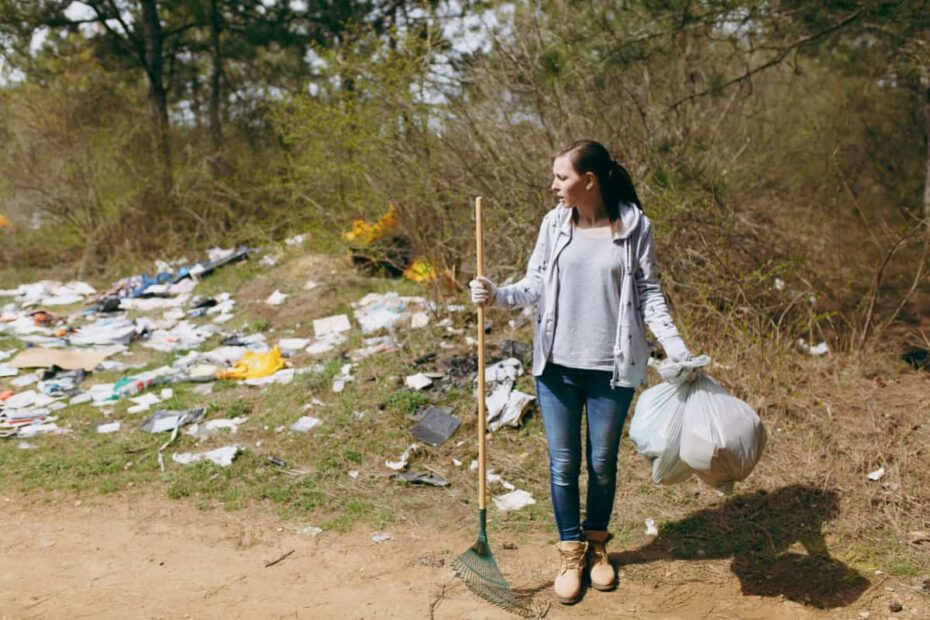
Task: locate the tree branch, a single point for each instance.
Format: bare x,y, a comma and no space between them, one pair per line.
775,60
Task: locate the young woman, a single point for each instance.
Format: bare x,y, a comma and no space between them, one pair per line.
594,280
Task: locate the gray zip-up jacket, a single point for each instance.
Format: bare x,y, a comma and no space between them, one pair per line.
641,298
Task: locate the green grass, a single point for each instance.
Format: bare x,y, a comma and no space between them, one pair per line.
369,423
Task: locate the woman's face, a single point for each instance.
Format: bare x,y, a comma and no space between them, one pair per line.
571,188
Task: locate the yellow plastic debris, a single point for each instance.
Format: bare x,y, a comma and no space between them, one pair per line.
254,365
364,233
4,223
421,270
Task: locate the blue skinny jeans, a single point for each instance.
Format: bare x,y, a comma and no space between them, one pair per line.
563,393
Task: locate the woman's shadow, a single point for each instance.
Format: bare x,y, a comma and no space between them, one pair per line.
757,530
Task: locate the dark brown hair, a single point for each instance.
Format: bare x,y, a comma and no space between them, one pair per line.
616,184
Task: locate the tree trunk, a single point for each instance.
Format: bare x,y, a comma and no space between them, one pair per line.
158,97
216,26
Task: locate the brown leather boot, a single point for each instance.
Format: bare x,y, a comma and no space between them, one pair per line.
603,575
567,584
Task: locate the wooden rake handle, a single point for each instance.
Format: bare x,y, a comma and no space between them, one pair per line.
482,414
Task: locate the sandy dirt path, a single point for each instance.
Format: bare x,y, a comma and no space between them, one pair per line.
149,557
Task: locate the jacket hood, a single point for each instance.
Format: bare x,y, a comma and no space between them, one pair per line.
630,218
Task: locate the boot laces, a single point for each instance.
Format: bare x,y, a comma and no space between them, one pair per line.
572,560
599,550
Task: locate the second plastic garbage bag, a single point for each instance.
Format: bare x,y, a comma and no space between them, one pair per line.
691,424
254,365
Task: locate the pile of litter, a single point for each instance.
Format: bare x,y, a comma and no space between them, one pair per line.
57,336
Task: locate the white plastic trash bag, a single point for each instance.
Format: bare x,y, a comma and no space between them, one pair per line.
690,423
656,432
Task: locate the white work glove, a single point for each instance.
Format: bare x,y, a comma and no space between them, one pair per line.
483,291
676,350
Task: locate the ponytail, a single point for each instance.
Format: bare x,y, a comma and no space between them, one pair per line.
614,180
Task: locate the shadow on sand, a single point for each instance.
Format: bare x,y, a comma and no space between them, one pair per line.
756,530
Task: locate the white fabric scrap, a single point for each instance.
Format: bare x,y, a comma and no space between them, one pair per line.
515,500
221,456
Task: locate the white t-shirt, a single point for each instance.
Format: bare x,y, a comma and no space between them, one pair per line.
590,271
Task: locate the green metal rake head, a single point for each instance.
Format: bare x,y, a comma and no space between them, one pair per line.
477,568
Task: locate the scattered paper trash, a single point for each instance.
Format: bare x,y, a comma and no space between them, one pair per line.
493,478
401,464
515,500
418,381
163,420
510,368
344,376
25,380
309,285
276,299
419,320
651,529
877,474
108,427
290,346
305,424
335,324
221,456
353,474
506,406
380,537
211,426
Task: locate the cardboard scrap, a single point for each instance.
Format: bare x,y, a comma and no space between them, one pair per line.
66,359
